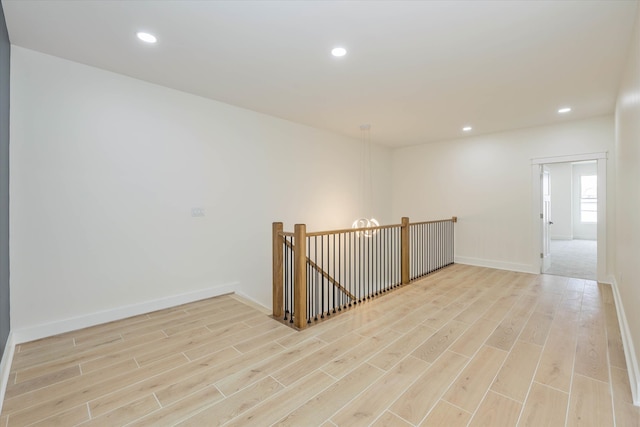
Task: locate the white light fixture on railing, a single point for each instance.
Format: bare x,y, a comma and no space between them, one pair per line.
366,184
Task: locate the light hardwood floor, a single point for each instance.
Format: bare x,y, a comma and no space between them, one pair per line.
465,346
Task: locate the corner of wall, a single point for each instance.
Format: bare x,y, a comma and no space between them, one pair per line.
500,265
5,366
246,299
629,350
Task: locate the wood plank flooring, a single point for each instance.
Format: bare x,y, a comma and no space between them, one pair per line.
466,346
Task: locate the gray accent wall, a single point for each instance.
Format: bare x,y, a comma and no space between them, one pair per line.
5,52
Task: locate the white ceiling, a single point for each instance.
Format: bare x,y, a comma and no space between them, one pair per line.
416,71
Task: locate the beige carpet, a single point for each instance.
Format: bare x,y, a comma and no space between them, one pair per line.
574,258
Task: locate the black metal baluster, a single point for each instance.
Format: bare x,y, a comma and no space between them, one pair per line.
418,271
388,257
423,250
412,253
292,281
393,257
351,269
436,254
368,265
439,245
393,251
434,247
360,266
453,242
418,246
316,288
398,249
428,248
368,242
311,281
414,243
379,264
312,278
322,273
340,294
286,278
442,263
398,257
445,227
384,262
446,243
335,278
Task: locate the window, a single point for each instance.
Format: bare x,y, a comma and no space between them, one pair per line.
589,198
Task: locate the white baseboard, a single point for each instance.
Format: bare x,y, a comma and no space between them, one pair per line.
561,237
500,265
32,333
246,299
607,280
629,350
5,366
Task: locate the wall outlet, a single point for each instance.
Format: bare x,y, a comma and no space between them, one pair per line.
197,211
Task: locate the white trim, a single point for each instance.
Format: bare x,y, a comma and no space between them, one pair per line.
5,366
627,343
568,159
500,265
246,299
601,231
61,326
536,206
561,237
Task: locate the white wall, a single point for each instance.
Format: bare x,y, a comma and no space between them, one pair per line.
486,182
560,189
105,170
627,218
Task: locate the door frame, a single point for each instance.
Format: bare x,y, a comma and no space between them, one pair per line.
545,253
536,170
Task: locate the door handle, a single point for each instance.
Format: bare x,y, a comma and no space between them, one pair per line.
550,222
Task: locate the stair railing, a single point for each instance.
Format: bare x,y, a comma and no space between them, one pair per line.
319,274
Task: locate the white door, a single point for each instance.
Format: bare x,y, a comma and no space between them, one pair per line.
545,178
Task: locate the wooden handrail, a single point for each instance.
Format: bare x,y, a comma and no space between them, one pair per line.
324,274
452,219
350,230
381,227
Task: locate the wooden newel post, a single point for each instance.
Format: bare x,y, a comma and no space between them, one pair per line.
278,283
404,250
300,276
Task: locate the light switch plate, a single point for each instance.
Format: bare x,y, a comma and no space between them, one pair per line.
197,211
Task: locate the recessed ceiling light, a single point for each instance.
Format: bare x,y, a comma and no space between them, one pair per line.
564,110
146,37
467,128
338,51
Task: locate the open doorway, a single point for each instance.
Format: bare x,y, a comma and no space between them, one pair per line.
570,196
570,201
